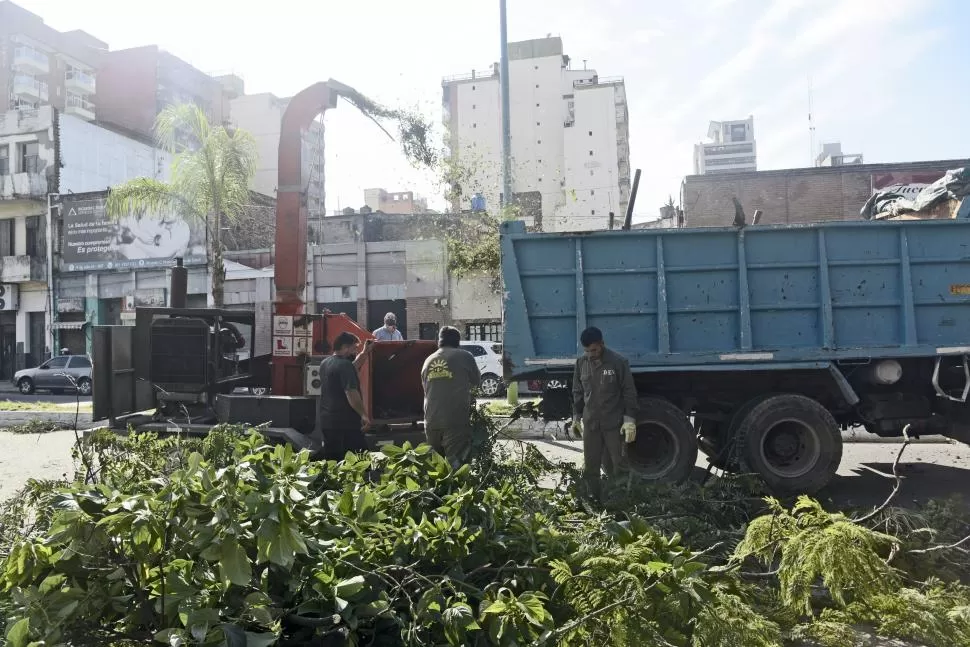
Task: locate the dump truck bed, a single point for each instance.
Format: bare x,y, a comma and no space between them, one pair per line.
717,297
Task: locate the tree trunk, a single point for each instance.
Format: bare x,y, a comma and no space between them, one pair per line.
218,267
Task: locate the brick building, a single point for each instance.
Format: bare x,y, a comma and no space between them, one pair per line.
799,195
136,84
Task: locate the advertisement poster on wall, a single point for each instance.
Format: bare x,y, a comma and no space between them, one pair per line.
140,240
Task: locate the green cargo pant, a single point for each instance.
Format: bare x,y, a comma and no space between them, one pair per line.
453,442
602,449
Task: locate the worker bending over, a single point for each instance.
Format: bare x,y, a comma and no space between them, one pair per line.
389,331
604,409
448,377
341,418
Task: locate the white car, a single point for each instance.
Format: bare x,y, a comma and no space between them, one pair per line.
488,354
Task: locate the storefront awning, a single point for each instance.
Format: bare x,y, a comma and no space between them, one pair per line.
68,325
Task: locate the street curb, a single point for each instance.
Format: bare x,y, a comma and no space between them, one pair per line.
14,418
535,430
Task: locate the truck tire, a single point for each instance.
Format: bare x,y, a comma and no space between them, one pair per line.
792,442
666,447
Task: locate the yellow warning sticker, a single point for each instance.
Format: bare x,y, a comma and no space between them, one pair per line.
960,288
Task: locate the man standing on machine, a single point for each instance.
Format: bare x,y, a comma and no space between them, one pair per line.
389,331
341,418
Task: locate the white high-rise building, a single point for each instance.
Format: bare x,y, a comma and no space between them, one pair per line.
262,116
732,148
570,138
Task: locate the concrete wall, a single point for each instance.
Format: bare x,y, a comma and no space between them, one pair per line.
94,158
793,195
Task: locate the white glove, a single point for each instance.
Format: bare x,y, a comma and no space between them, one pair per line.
629,429
577,428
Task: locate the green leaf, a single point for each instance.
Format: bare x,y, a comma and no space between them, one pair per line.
234,564
347,589
19,633
260,640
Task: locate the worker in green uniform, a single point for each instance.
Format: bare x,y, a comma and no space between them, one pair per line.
604,409
448,376
341,418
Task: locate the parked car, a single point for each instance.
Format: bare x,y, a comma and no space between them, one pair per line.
57,374
488,354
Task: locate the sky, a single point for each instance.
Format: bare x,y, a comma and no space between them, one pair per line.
889,78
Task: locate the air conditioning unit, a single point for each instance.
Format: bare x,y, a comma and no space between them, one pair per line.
9,297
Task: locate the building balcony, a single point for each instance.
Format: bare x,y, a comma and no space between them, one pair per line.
31,59
30,185
79,107
29,88
22,269
79,81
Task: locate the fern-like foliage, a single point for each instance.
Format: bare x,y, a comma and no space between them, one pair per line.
937,615
731,621
810,545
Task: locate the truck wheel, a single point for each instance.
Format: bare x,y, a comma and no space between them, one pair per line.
666,447
792,442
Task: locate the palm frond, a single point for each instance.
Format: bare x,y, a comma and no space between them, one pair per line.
176,122
145,194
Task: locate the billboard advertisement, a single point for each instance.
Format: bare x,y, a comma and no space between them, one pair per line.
139,240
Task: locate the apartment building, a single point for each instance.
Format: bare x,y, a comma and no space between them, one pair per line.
731,149
570,138
262,116
136,84
42,66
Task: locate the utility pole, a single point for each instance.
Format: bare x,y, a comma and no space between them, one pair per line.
506,126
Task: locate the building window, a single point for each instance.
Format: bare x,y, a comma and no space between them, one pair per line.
537,86
538,124
473,87
537,105
4,160
473,106
592,212
538,141
591,173
592,191
484,332
6,236
474,125
537,67
35,237
591,133
591,153
29,157
428,331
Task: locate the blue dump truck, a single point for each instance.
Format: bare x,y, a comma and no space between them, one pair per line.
755,344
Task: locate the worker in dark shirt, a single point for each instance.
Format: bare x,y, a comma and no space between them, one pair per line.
604,409
448,376
341,418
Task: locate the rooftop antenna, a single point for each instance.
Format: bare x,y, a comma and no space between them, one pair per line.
811,126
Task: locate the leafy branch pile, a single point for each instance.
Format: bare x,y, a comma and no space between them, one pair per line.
230,541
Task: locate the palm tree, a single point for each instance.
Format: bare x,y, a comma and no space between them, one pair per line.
210,175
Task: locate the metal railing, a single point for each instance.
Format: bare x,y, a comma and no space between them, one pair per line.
77,101
38,87
597,80
28,52
80,77
490,73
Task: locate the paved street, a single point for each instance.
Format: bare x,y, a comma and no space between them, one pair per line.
928,470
